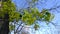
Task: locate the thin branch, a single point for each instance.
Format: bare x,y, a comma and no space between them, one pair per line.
54,8
18,26
53,23
20,29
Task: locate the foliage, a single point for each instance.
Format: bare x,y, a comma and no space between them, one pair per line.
11,27
14,15
29,17
36,26
9,8
34,1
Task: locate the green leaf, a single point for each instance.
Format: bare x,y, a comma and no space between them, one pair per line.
36,26
11,27
34,1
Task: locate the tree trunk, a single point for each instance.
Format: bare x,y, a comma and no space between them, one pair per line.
5,26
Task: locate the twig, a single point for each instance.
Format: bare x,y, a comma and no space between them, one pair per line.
54,8
18,26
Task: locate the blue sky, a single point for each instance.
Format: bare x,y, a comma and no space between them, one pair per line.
45,29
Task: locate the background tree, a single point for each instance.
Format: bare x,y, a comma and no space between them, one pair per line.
31,14
34,6
28,17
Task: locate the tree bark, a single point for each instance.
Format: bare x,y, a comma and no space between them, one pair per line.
5,26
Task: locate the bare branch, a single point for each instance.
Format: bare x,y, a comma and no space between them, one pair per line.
18,26
54,8
53,23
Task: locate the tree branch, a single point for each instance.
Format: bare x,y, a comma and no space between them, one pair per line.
18,26
54,8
